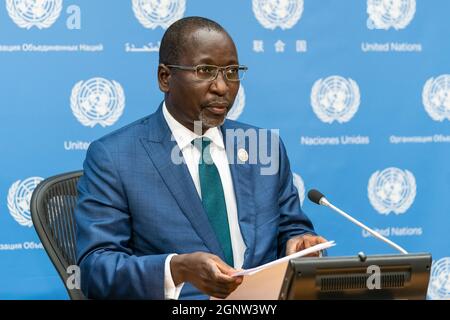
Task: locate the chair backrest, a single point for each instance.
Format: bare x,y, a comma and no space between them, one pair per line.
52,207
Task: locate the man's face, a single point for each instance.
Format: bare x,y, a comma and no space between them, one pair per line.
189,99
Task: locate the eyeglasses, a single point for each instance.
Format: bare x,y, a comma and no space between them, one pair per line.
207,72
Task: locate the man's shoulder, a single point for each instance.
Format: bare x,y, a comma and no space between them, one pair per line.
132,131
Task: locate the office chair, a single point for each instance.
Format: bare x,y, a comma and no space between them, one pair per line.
52,207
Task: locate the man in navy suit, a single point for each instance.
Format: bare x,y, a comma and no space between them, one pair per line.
173,204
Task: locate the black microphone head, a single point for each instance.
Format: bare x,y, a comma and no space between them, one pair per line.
315,196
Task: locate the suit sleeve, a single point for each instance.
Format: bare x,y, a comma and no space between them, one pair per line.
109,268
293,221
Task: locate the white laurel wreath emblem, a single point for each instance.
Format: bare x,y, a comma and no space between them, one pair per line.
238,105
300,185
378,203
439,286
384,18
351,109
88,122
263,8
24,22
13,210
431,107
163,22
13,207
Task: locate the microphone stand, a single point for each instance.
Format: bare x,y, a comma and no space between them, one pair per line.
323,201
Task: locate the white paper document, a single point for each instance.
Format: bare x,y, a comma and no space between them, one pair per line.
317,247
264,282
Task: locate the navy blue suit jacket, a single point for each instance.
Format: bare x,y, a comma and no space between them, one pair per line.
135,207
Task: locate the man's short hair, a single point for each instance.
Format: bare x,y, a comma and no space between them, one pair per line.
175,38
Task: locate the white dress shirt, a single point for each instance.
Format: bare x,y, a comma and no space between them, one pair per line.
183,136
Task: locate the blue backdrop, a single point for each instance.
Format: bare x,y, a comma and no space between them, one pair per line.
360,91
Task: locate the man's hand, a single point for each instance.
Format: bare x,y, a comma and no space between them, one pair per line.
206,272
302,242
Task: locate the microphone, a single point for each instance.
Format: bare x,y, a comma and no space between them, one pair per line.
318,198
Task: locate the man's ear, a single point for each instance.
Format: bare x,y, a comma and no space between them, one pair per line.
163,77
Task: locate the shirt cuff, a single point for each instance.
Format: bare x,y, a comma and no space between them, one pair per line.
171,292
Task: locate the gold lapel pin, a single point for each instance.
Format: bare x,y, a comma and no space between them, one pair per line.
242,155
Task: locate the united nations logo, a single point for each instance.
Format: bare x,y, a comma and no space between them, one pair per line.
38,13
335,98
238,105
154,13
277,13
97,101
300,185
436,97
19,197
392,190
439,287
384,14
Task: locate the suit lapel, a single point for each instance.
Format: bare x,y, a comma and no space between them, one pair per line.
241,174
159,147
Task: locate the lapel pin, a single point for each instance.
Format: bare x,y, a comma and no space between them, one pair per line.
242,155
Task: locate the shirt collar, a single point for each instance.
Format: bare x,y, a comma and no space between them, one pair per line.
183,136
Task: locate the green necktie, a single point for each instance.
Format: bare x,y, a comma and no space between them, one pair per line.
213,198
